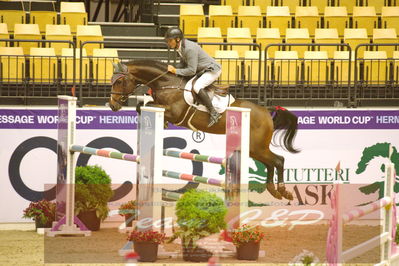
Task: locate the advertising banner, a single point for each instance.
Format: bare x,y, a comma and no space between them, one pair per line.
349,146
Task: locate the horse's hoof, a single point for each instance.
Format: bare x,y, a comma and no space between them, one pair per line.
272,190
283,191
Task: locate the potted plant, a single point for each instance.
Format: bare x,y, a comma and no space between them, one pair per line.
247,241
146,244
304,258
128,210
42,212
199,214
92,193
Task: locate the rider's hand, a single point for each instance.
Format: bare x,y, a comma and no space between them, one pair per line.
172,69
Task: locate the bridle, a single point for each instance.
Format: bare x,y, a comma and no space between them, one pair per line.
125,95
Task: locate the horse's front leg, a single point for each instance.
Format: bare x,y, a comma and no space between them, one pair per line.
167,114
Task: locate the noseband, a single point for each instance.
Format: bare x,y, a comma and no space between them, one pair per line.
124,96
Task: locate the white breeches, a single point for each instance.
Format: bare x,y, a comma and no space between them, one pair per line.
206,79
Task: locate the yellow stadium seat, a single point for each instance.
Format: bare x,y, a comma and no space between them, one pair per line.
321,4
234,4
43,65
336,17
375,67
354,37
102,64
4,33
266,36
396,67
61,33
327,36
239,35
43,13
263,4
278,17
298,36
67,65
286,67
365,17
307,17
253,65
385,36
27,32
349,4
73,14
191,18
378,4
89,33
221,17
12,62
341,67
250,17
292,4
317,67
12,13
229,60
210,35
390,17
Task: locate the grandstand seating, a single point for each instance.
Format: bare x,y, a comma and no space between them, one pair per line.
87,33
250,17
67,65
390,17
43,13
12,13
377,4
365,17
12,62
263,4
210,35
4,33
229,60
292,4
375,69
61,33
251,65
43,65
307,17
336,17
278,17
287,67
102,64
221,17
73,14
234,4
386,36
349,4
354,37
239,35
317,69
27,32
341,67
191,18
320,4
266,36
298,36
327,36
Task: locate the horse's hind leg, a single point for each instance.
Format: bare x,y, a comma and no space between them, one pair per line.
272,160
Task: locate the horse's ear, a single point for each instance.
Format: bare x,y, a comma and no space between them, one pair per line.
116,70
122,67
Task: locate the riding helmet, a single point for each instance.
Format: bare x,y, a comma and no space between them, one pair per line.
174,33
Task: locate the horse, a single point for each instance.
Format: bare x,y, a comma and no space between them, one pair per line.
167,92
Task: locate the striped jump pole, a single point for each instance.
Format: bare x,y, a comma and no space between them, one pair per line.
194,157
105,153
334,250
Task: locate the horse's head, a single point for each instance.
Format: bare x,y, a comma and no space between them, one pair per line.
123,85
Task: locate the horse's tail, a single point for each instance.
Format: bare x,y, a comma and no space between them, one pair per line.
285,120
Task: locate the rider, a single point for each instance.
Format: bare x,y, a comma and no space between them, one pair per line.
196,62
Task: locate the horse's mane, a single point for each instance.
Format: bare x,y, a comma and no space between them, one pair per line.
150,63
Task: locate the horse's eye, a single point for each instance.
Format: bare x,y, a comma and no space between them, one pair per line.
118,82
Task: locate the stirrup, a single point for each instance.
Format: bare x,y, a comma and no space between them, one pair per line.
213,118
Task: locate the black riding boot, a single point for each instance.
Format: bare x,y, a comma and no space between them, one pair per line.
213,115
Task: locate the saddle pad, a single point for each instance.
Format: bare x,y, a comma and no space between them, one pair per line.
219,102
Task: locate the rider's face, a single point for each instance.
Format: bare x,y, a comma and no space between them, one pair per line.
172,43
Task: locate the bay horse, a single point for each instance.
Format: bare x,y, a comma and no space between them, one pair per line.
167,92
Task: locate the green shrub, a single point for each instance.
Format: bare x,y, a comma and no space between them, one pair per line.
92,190
199,214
